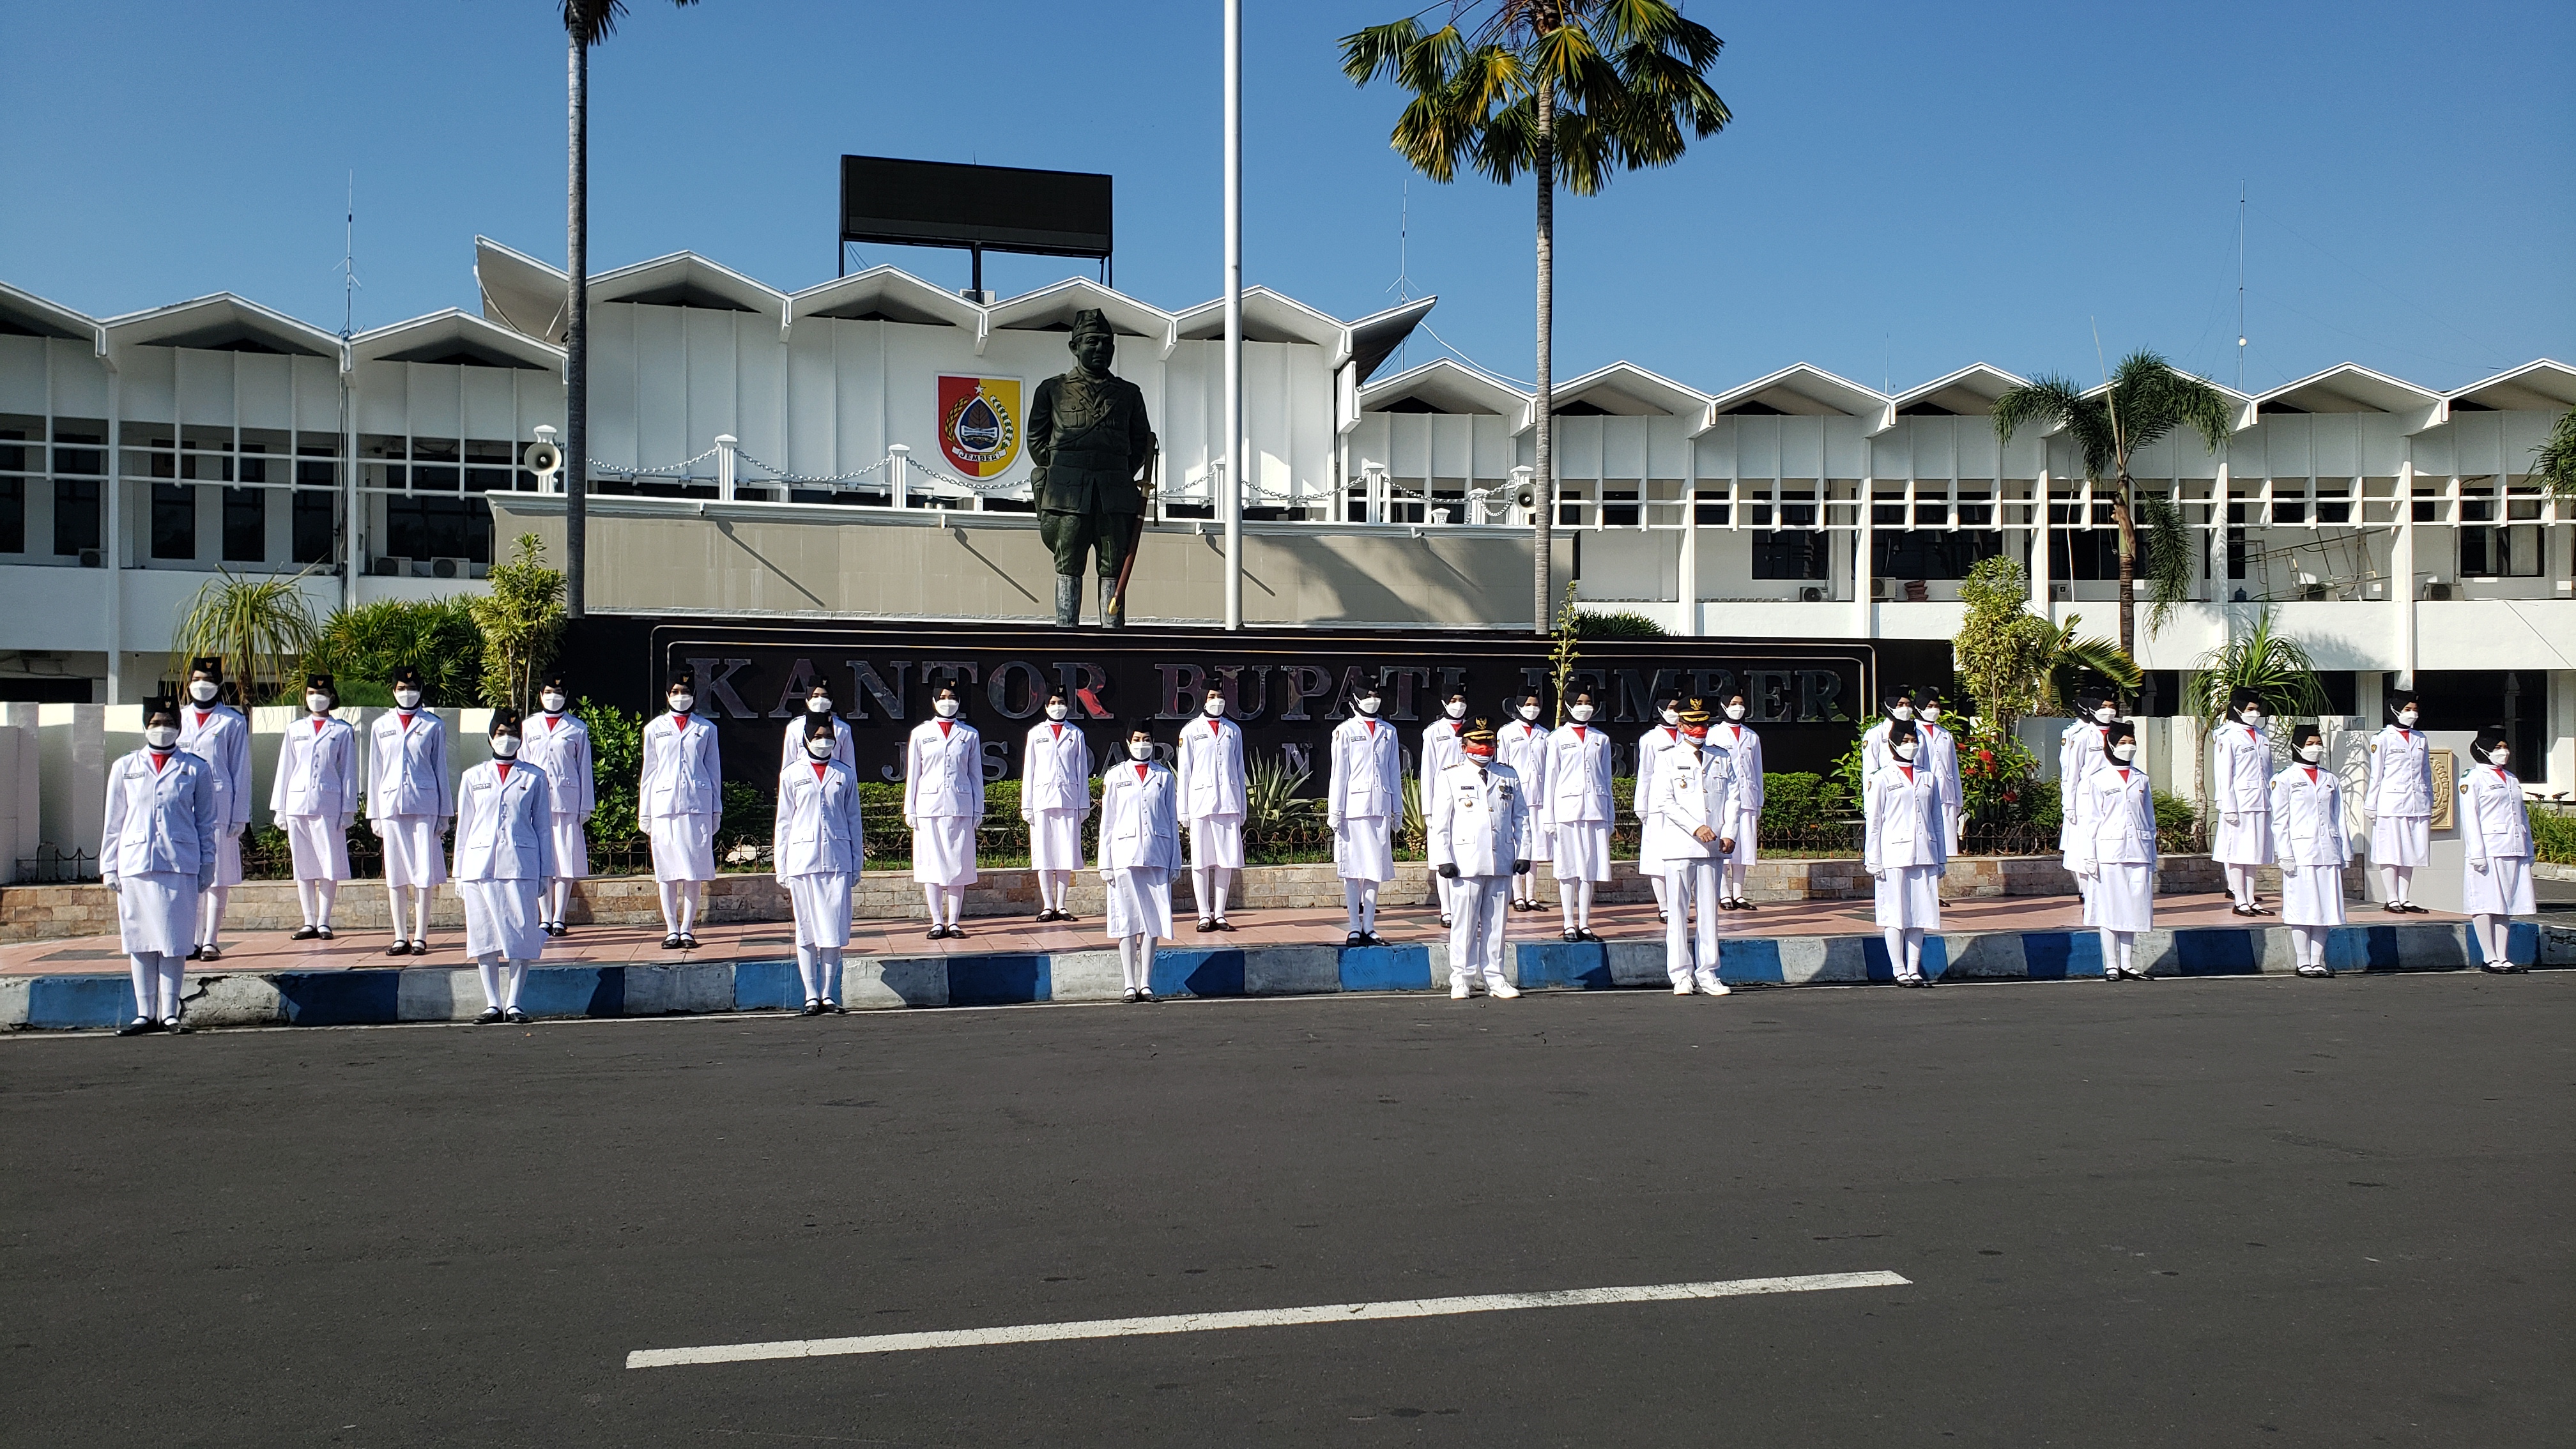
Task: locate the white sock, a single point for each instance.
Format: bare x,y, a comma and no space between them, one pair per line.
1565,891
558,898
1224,877
489,968
328,893
166,985
420,913
517,977
1733,876
809,969
1351,906
1914,950
1133,958
147,979
1895,938
1520,887
2490,933
1368,906
1583,906
1663,902
689,893
394,911
954,898
210,914
2110,949
2404,876
831,974
1203,890
304,899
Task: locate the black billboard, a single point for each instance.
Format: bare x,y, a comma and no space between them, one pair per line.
996,208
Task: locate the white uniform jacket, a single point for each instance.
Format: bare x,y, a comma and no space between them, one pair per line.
1482,822
1939,753
1744,756
504,828
2246,779
2307,817
2401,774
162,822
1368,772
943,771
316,771
791,749
1440,750
1055,770
1209,755
1577,788
407,767
2114,820
818,830
1139,826
1650,750
2494,820
221,737
1901,813
560,745
682,774
2079,754
1521,747
1693,789
1874,754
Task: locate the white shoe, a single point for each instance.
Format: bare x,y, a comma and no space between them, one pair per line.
1711,986
1460,991
1501,990
1681,988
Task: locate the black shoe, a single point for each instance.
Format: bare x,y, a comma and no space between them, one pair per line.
514,1016
671,942
196,953
1368,938
1046,915
324,932
2409,908
490,1015
420,948
210,953
1909,982
1223,924
175,1027
306,933
1354,940
688,942
1572,935
2258,910
400,947
812,1008
1206,924
957,933
141,1024
1743,905
2240,910
834,1008
1131,998
1588,938
2392,908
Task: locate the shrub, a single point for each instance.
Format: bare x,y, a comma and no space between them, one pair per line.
1616,624
2553,836
1797,799
362,647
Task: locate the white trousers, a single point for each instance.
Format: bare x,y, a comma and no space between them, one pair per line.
1690,884
1477,906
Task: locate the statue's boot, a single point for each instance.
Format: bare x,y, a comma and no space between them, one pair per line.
1113,610
1068,600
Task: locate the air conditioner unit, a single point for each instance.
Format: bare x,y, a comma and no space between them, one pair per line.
91,558
1882,589
2437,592
444,568
2060,593
1811,595
388,568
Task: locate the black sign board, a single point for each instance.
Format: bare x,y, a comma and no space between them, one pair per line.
994,208
1288,688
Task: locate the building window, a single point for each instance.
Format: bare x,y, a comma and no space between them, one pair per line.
1801,553
174,521
1931,553
13,515
246,523
2084,553
75,517
425,528
316,523
2508,552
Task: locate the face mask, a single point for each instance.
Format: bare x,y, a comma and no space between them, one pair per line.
1215,707
2310,754
161,737
819,746
407,698
946,708
1480,757
2253,719
318,703
1902,711
1735,711
1672,716
1056,710
1931,712
1369,704
1455,709
1140,749
554,703
682,703
2407,718
2124,753
1697,734
1529,714
1582,713
2498,756
203,691
819,706
1905,749
505,746
2105,714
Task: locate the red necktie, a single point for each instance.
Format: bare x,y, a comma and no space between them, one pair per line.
553,722
505,772
679,724
818,771
1141,771
1372,727
1215,729
944,727
405,717
158,760
1579,734
2312,774
318,722
1059,730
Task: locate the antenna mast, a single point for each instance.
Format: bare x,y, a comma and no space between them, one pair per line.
2240,286
349,260
1402,286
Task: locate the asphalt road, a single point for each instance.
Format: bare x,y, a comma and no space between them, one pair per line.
2215,1212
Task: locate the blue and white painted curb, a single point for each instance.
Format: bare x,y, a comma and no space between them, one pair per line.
386,997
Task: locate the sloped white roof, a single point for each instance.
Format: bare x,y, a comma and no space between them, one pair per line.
455,336
2540,387
1444,385
222,321
1802,390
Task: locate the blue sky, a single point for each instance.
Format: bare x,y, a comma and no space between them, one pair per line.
1907,188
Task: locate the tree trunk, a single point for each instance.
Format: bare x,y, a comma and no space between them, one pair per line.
1543,404
2127,519
576,451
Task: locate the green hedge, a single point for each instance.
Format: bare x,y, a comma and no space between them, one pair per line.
2553,836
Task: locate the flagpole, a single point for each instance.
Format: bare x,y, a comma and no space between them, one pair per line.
1230,504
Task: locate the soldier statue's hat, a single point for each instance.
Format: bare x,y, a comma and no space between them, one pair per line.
1092,319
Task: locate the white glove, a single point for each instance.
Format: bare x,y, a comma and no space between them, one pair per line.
235,830
2289,868
1878,875
346,821
376,827
910,823
111,882
1333,823
2230,818
2481,866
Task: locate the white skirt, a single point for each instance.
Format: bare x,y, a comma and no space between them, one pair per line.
413,856
1747,827
1217,840
2502,889
2123,897
317,845
684,846
2401,840
2247,842
943,851
1364,848
1140,902
1055,840
2313,897
1582,851
156,913
501,918
227,857
822,905
1541,845
572,848
1910,897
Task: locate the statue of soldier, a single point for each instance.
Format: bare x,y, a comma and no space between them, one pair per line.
1091,447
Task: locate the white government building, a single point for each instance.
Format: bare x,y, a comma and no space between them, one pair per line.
756,452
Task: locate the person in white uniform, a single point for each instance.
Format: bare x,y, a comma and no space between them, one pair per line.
2080,751
1208,763
2241,793
2399,795
1896,709
1440,750
505,853
1476,835
1520,746
1665,735
314,797
2114,850
679,801
1140,848
410,800
2304,812
218,734
1576,802
157,855
1939,753
1686,825
1055,795
1743,750
557,742
943,804
2495,829
819,846
791,742
1905,849
1362,803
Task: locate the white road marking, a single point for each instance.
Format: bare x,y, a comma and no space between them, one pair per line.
1253,1318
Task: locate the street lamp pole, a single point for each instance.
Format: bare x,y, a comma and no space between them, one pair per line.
1230,504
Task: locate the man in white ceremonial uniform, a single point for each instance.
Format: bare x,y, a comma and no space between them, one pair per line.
218,734
2081,750
156,854
1440,750
1575,800
1140,848
1905,847
1478,834
2113,812
1520,746
1665,735
2495,829
2241,795
505,854
1939,753
410,800
1207,760
314,797
1686,825
791,744
2399,795
558,743
943,804
2303,810
818,847
679,801
1743,750
1362,803
1055,795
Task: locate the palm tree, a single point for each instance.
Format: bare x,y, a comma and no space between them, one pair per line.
259,626
2144,400
586,23
2554,461
1570,91
2061,659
